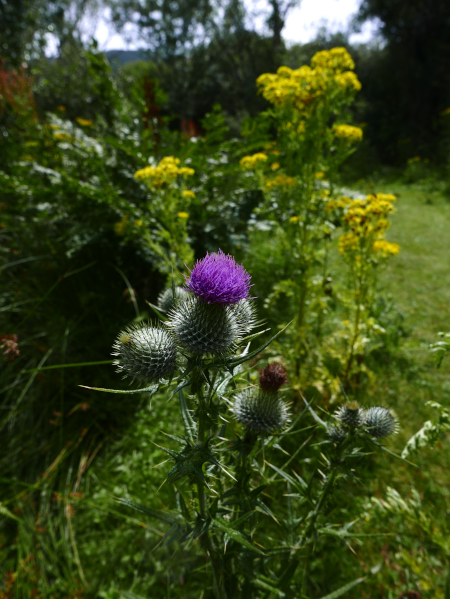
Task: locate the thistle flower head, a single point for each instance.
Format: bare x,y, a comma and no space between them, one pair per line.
217,279
167,300
204,328
145,353
379,422
272,377
259,411
351,415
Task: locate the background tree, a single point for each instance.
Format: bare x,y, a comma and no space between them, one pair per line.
406,82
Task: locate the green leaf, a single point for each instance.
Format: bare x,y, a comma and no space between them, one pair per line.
344,589
235,535
233,362
152,389
157,311
261,584
168,517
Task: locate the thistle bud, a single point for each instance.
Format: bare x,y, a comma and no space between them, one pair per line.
336,433
145,353
167,300
259,411
350,415
204,328
379,422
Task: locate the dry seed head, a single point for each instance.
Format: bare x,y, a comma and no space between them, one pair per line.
145,353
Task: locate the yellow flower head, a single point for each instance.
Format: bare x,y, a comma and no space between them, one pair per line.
281,181
84,122
303,88
295,219
336,58
167,171
120,227
187,193
385,248
253,161
348,133
319,175
183,215
348,81
348,243
275,166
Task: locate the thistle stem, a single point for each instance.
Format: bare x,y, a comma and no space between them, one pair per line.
219,589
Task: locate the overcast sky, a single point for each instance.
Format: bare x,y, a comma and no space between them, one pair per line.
301,26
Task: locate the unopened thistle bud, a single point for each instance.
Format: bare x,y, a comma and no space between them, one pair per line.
379,422
351,415
259,411
167,300
272,377
145,353
336,433
204,328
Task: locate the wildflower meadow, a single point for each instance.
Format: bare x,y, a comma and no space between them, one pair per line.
224,337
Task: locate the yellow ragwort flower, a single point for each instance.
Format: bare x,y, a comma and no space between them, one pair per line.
348,133
275,166
167,171
183,215
281,181
386,248
119,227
187,193
348,242
253,161
84,122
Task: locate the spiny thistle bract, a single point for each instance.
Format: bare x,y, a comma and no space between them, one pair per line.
379,422
145,353
217,279
259,411
167,300
204,328
244,312
350,415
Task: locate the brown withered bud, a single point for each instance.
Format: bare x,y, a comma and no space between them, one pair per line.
272,377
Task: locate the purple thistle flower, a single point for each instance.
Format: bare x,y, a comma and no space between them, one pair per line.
217,279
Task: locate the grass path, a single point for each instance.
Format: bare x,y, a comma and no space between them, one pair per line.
419,278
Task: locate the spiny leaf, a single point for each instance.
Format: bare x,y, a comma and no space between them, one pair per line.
235,535
189,424
233,362
152,389
159,515
344,589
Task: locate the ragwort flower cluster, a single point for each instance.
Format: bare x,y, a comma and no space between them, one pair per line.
366,222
